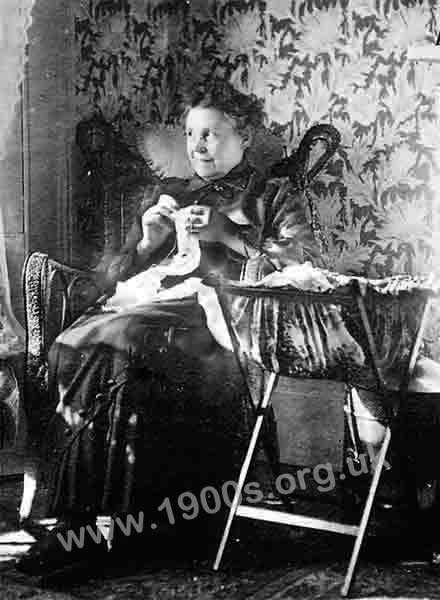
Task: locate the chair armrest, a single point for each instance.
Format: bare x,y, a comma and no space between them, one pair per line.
54,296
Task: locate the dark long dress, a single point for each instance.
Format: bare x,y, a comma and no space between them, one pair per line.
156,407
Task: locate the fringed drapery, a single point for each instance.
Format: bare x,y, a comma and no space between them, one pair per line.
15,18
11,332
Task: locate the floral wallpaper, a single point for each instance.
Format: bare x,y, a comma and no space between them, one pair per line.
333,61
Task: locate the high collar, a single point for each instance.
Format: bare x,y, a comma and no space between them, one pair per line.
227,186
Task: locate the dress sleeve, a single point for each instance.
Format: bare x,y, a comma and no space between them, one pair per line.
127,261
287,235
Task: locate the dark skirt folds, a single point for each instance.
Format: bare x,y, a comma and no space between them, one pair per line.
148,406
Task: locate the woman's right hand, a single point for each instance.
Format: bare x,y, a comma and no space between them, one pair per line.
157,224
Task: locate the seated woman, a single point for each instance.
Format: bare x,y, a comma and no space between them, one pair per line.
150,405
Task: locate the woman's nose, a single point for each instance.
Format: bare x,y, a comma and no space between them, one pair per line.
201,146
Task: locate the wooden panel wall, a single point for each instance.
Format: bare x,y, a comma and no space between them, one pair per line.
35,187
49,127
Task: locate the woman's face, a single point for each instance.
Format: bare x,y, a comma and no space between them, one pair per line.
214,146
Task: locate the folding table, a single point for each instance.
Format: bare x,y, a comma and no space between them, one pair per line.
376,328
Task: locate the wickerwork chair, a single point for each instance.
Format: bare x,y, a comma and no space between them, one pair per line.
364,333
55,294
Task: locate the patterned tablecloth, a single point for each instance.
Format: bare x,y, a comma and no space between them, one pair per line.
320,333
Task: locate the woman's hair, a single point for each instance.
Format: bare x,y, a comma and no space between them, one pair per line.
246,110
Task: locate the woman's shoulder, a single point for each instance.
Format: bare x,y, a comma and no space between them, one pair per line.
268,185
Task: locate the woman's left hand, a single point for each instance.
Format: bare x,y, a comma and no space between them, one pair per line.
207,223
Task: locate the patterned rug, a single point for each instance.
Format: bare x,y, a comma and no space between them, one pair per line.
308,566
